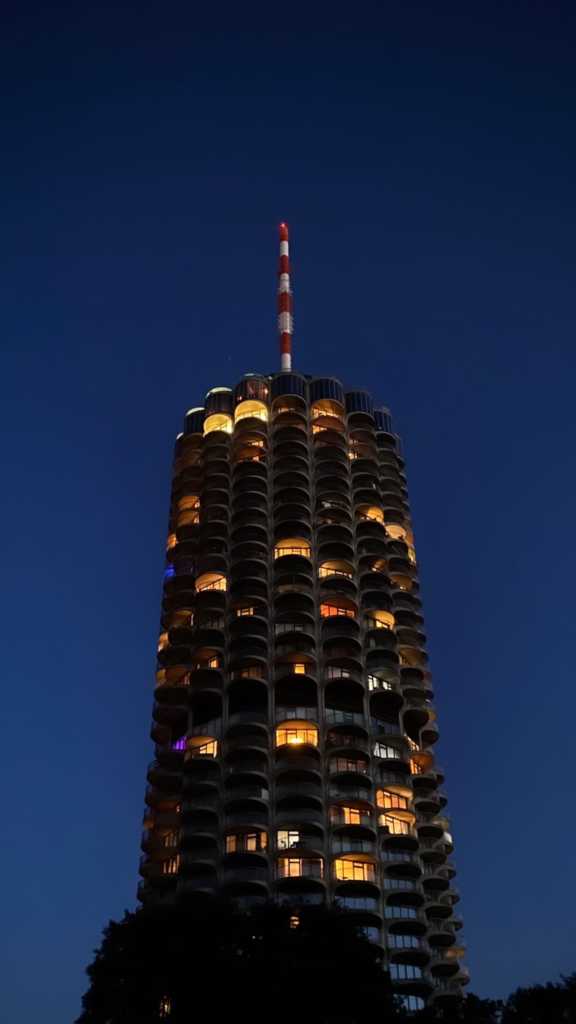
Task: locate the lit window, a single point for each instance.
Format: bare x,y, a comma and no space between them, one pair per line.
384,798
250,408
296,867
207,748
218,421
287,838
299,668
244,611
326,407
380,619
395,532
213,662
165,1008
162,641
335,568
395,826
375,683
295,735
294,921
355,870
327,610
179,744
371,512
188,502
170,839
171,542
411,554
251,842
415,768
384,750
292,546
171,866
349,815
211,581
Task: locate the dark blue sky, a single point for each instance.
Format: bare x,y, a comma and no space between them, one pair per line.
425,160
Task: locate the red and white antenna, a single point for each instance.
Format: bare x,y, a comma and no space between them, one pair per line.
285,321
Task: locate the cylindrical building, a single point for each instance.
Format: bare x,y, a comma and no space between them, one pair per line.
293,716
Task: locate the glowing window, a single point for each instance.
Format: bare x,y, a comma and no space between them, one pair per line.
335,568
250,842
350,815
416,768
218,421
244,611
190,501
401,582
384,798
326,407
170,839
380,619
296,867
375,683
327,610
383,750
395,826
354,870
411,554
250,408
171,541
179,744
165,1008
171,866
294,735
395,532
294,921
209,748
299,668
371,512
287,838
211,581
292,546
162,641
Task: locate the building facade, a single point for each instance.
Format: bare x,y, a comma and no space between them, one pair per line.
293,710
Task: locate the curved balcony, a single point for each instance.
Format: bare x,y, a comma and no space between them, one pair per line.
242,589
348,768
291,496
248,737
294,758
295,815
246,533
299,873
171,687
347,740
243,876
250,515
296,783
288,427
293,603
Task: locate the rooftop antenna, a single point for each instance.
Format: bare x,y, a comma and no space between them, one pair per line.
285,321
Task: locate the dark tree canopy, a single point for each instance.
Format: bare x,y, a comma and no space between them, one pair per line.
215,962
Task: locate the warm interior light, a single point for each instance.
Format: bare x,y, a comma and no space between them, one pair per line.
296,733
292,546
395,531
250,408
218,421
380,619
211,581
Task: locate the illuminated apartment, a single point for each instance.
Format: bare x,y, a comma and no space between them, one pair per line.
293,711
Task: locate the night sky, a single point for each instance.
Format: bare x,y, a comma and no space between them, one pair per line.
425,160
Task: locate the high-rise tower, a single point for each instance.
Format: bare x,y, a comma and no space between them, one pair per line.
293,715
